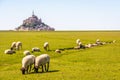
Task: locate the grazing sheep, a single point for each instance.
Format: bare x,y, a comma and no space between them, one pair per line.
26,52
9,51
42,60
88,46
77,47
94,44
27,63
13,45
103,43
18,45
77,41
57,51
46,46
98,42
114,41
35,49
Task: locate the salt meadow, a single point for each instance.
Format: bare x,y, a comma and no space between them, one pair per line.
96,63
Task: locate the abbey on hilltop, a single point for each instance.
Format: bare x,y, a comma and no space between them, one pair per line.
34,24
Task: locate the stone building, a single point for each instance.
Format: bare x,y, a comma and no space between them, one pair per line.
34,24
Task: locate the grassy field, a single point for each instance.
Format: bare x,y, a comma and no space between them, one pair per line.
97,63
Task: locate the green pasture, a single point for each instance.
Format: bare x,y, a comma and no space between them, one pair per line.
96,63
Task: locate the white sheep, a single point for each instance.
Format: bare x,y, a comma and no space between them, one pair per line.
88,46
98,42
42,60
77,42
13,45
57,51
35,49
46,46
94,44
9,51
77,47
114,41
26,52
27,63
18,45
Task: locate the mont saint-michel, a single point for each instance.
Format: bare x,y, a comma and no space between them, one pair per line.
34,24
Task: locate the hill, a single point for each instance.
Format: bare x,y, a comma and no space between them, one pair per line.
34,24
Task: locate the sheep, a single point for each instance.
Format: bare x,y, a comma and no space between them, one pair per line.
13,45
18,45
35,49
77,47
88,46
80,47
80,43
46,46
114,41
77,41
42,60
27,63
94,44
26,52
103,43
9,51
57,51
98,42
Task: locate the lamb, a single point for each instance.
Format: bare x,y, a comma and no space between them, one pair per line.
57,51
26,52
9,51
35,49
42,60
27,63
13,45
46,46
18,45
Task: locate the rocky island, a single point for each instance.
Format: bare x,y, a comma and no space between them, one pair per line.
34,24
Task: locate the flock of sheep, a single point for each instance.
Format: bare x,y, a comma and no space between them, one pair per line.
97,43
43,60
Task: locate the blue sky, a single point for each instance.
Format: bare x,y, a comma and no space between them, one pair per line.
62,14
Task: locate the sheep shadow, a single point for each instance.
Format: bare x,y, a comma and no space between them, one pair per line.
50,71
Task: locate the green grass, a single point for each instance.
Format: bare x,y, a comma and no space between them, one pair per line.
97,63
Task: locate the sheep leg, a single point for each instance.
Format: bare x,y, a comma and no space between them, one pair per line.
47,66
48,48
21,46
30,68
42,69
27,68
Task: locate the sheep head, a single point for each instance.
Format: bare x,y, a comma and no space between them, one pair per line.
36,69
23,70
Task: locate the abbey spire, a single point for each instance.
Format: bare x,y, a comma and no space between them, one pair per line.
33,13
